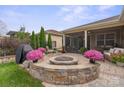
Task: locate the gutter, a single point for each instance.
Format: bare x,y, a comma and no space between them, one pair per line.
94,26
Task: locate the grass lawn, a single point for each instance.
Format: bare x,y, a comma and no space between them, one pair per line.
11,75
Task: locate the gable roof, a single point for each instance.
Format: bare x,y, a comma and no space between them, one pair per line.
54,32
104,20
11,32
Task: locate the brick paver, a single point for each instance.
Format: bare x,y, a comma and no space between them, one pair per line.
111,75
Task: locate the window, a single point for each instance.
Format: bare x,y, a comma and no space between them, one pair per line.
100,40
105,40
53,44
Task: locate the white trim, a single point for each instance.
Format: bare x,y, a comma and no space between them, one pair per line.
95,27
85,38
63,40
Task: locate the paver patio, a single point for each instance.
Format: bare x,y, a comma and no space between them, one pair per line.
111,75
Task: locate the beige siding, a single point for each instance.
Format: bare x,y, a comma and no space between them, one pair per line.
56,38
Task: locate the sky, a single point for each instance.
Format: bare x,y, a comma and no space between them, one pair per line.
55,17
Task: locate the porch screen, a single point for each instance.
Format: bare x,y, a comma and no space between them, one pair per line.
105,40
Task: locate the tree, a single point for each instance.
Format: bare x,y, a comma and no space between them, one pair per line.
20,35
33,40
49,41
37,41
8,46
42,38
23,37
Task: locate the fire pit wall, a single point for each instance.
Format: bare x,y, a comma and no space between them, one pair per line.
65,75
63,60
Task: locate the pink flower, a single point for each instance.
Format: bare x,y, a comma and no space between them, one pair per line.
93,54
34,55
42,50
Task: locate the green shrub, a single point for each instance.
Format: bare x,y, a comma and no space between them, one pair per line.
118,58
42,38
23,37
37,41
49,41
82,49
33,40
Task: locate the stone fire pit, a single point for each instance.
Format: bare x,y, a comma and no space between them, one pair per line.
65,69
63,60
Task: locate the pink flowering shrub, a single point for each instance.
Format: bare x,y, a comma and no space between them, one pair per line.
93,54
34,55
42,49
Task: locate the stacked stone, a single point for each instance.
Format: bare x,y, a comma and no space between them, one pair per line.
64,76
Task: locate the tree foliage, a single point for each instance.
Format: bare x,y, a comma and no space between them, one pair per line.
23,37
37,41
33,40
8,46
49,41
42,38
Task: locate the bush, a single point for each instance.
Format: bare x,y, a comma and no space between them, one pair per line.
8,46
49,41
42,49
117,58
94,55
23,37
37,41
42,38
82,50
34,55
33,40
55,50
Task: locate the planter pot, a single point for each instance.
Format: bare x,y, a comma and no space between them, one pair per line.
92,61
63,49
120,64
35,61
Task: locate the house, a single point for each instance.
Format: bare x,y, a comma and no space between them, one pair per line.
56,38
104,34
12,34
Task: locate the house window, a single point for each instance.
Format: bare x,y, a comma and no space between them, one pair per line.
53,44
100,40
105,40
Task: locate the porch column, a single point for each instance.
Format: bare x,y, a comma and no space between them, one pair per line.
85,38
63,40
